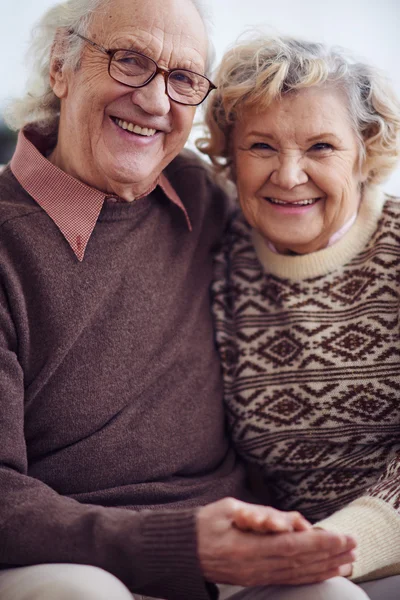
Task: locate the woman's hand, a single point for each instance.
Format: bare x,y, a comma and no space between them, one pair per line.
265,519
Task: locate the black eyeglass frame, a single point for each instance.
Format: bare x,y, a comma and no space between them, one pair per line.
164,72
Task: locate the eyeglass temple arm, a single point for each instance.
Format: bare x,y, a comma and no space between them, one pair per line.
93,44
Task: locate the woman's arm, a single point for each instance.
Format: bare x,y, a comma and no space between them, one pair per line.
374,520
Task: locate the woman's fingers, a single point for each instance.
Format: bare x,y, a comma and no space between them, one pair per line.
265,519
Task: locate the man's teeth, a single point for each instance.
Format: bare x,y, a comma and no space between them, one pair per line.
297,203
135,128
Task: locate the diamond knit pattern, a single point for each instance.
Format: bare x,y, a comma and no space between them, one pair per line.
312,371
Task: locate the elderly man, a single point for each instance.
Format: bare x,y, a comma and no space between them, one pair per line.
112,427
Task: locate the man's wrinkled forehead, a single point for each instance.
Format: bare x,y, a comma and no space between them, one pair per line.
170,31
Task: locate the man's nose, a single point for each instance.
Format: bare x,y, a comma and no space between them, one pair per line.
289,172
152,98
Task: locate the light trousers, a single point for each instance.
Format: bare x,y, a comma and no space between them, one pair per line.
81,582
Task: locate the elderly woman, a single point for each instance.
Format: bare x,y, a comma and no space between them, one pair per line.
307,288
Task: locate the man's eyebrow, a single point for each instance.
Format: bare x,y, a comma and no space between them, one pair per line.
125,46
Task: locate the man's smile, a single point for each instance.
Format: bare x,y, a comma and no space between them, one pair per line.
134,128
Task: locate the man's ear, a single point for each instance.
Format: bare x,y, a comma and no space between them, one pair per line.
58,74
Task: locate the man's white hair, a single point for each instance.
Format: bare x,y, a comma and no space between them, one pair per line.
39,104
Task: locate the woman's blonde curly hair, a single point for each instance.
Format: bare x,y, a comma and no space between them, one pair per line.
255,73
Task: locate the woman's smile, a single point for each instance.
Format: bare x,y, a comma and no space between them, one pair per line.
296,166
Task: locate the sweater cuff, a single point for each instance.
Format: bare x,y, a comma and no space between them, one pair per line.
376,528
171,558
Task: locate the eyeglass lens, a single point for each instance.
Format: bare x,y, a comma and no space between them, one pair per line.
135,69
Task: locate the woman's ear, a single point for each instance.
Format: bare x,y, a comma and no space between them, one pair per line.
365,170
58,74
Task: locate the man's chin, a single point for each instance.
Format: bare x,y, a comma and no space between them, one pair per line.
129,183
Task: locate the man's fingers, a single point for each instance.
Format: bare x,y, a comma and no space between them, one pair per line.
306,542
299,572
308,565
346,570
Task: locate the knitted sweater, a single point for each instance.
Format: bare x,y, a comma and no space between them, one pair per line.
311,360
110,387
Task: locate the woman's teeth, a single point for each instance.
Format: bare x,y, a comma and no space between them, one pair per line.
297,203
135,128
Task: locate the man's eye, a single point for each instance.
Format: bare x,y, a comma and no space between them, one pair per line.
130,59
181,77
321,146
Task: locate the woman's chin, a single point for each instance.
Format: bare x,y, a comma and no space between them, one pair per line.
293,246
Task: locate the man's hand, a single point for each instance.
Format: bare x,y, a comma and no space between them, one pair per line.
298,555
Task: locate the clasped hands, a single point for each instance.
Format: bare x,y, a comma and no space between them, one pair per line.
251,545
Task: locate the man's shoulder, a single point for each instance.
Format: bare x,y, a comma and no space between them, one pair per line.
14,201
188,163
198,186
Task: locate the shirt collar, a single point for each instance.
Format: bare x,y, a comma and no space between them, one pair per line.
71,204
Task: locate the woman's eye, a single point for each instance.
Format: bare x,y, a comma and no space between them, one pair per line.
262,146
321,146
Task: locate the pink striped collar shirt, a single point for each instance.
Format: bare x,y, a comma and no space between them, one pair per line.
71,204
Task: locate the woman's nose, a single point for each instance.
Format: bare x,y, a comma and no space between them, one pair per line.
289,173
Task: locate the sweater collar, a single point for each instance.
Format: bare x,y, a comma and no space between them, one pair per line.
71,204
334,256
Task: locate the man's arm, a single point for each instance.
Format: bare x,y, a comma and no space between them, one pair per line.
151,551
156,552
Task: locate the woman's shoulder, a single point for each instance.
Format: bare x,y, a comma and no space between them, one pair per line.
237,251
239,230
392,202
390,218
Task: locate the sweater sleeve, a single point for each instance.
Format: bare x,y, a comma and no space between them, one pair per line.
374,520
151,552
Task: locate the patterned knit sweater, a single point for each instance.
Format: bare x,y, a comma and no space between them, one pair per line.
311,359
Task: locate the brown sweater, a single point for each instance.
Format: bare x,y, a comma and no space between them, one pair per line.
110,391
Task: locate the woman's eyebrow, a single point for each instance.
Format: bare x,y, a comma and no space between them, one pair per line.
323,134
260,134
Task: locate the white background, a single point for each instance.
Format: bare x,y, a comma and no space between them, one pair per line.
370,28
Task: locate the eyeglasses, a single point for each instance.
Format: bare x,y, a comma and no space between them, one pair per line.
137,70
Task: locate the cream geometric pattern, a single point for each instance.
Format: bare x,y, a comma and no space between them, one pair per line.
312,371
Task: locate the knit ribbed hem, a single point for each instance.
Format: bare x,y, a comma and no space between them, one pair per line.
328,260
170,555
376,527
